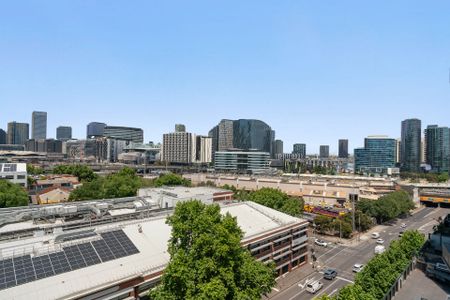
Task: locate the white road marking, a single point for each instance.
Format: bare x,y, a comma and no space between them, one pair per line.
276,290
326,252
334,291
334,255
344,279
323,291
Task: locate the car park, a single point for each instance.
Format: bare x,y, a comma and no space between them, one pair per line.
314,287
320,243
357,268
330,274
380,241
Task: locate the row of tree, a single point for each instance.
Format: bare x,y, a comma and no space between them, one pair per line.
343,225
387,207
118,185
272,198
12,194
430,177
378,276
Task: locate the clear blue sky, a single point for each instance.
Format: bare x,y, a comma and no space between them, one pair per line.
315,71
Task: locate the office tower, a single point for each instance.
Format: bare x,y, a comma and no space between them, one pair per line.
239,161
180,128
299,150
324,151
242,134
18,133
343,148
40,145
437,154
64,133
203,151
95,129
410,145
277,149
179,147
377,156
130,134
2,136
423,150
39,125
398,151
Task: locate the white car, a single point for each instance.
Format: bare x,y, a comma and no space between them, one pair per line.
379,249
320,243
403,225
380,241
357,268
314,287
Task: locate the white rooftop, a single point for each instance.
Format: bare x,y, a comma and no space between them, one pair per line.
13,167
253,219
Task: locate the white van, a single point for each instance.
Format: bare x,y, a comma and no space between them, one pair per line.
375,235
314,287
379,249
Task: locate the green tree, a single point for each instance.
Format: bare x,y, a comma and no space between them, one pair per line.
83,172
12,194
207,260
171,179
278,200
32,170
443,177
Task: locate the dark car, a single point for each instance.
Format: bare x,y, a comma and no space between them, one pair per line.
330,274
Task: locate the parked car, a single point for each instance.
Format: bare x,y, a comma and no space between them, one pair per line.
403,225
380,241
379,249
375,235
400,234
314,287
357,268
321,243
330,274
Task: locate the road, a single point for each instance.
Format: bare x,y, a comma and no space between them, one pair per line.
343,257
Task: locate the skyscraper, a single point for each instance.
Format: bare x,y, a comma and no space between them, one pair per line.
131,134
437,143
95,129
39,125
377,156
277,149
343,148
18,133
179,147
64,133
299,150
2,137
324,151
410,145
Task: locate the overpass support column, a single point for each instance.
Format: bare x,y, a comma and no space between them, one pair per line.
416,198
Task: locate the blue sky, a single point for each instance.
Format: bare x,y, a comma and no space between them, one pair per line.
316,71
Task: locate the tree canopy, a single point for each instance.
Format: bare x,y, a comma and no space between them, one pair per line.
171,179
83,172
387,207
207,260
12,194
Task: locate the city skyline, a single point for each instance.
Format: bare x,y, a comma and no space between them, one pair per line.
356,69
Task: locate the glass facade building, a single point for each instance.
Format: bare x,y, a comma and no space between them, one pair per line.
324,151
241,161
39,125
131,134
18,133
299,150
64,133
437,154
2,136
410,146
377,156
343,149
95,129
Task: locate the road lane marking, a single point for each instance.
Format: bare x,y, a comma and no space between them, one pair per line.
330,258
323,291
344,279
334,291
276,290
327,252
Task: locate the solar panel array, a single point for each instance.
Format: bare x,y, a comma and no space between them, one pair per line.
19,270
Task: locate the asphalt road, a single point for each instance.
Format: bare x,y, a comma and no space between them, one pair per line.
343,257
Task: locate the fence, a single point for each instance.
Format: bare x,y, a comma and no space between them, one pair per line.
399,282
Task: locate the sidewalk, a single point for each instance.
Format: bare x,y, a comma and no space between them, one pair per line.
289,279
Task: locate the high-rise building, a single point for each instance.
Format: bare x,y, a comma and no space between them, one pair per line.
423,150
39,125
131,134
18,133
242,161
179,147
203,149
410,145
437,154
324,151
277,149
343,148
64,133
48,145
398,152
377,156
2,137
180,128
242,134
95,129
299,150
